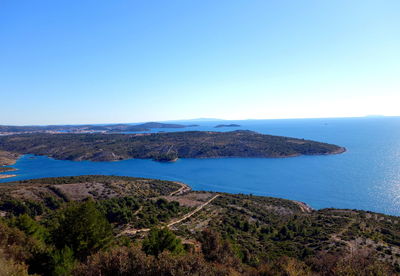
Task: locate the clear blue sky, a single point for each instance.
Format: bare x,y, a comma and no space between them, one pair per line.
131,61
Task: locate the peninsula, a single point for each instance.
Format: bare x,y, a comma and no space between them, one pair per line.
7,159
163,146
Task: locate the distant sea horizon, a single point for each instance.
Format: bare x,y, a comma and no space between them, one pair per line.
202,120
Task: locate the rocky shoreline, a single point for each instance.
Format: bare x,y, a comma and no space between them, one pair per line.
4,176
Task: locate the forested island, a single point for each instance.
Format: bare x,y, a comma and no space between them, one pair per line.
163,146
113,225
230,125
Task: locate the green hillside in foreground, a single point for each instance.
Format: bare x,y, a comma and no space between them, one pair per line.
112,225
163,146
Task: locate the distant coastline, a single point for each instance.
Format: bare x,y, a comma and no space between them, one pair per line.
108,128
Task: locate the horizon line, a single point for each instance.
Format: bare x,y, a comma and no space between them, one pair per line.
204,120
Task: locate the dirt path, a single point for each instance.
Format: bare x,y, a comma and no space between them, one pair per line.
170,224
183,189
337,236
193,212
138,210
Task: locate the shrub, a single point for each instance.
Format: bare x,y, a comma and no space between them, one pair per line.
162,239
83,228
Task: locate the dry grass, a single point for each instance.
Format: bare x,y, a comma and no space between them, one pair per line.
192,199
8,158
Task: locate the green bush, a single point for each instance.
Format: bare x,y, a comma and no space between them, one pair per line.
83,228
160,240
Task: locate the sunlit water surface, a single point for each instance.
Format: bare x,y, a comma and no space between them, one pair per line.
366,177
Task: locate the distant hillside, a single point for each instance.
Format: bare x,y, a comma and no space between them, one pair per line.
203,120
154,227
7,158
163,125
163,146
88,128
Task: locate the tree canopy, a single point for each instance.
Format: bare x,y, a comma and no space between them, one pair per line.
83,228
160,239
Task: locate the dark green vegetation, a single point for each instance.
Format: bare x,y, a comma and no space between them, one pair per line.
230,125
161,239
106,225
163,146
89,128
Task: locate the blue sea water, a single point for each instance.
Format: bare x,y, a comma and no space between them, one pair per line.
366,177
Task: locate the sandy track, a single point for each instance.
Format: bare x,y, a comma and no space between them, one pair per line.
172,223
183,189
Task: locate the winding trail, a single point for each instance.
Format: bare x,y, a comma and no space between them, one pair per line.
337,236
172,223
183,189
138,211
193,212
